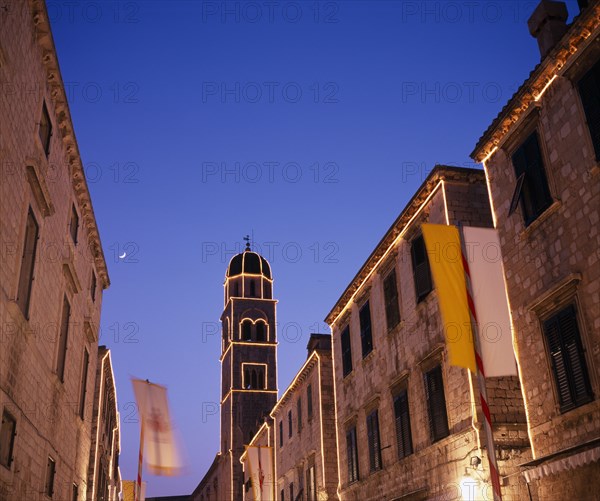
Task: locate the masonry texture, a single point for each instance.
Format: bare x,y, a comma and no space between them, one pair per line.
403,354
552,262
42,381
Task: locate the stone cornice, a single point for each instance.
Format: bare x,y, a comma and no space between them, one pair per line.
554,64
67,134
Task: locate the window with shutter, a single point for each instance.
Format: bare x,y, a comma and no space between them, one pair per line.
289,423
436,404
568,359
421,272
390,294
352,455
62,340
7,438
589,90
535,194
309,404
346,351
374,442
403,432
366,337
27,263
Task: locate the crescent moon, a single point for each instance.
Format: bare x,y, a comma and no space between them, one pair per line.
124,254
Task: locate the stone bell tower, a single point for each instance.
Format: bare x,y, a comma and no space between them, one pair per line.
248,358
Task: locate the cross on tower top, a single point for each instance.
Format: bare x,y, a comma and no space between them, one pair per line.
247,239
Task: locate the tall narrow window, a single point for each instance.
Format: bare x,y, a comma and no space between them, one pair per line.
261,331
290,423
568,359
392,306
535,195
374,442
83,390
62,340
402,417
45,130
589,90
436,404
27,263
74,224
7,438
346,351
280,433
299,413
421,272
93,287
246,330
309,403
50,472
366,337
352,453
252,288
292,491
282,495
75,494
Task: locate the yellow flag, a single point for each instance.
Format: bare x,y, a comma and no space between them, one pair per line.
444,253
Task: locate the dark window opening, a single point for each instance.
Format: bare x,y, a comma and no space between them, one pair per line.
93,285
62,340
589,90
50,472
309,404
74,224
421,272
45,130
392,306
366,336
83,390
299,413
280,433
436,404
289,423
246,330
261,331
7,438
27,263
568,359
346,351
535,194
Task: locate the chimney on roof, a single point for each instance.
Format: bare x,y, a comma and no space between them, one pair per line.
548,24
319,342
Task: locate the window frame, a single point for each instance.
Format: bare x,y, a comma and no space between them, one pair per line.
421,270
309,403
74,224
403,427
7,417
346,351
45,137
366,329
374,441
50,477
392,302
546,323
27,269
436,413
290,424
84,377
353,470
299,413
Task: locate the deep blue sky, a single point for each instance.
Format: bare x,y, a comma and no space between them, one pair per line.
344,112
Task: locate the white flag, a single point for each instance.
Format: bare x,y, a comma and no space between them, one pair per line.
259,469
491,304
160,451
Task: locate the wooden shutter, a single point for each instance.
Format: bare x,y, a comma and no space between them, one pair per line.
421,273
346,352
568,360
390,293
436,403
403,432
352,455
374,442
589,90
366,336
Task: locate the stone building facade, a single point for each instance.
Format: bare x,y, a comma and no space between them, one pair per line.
52,272
104,476
248,371
541,157
303,427
409,425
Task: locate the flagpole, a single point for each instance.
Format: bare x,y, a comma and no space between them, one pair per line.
495,477
138,489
